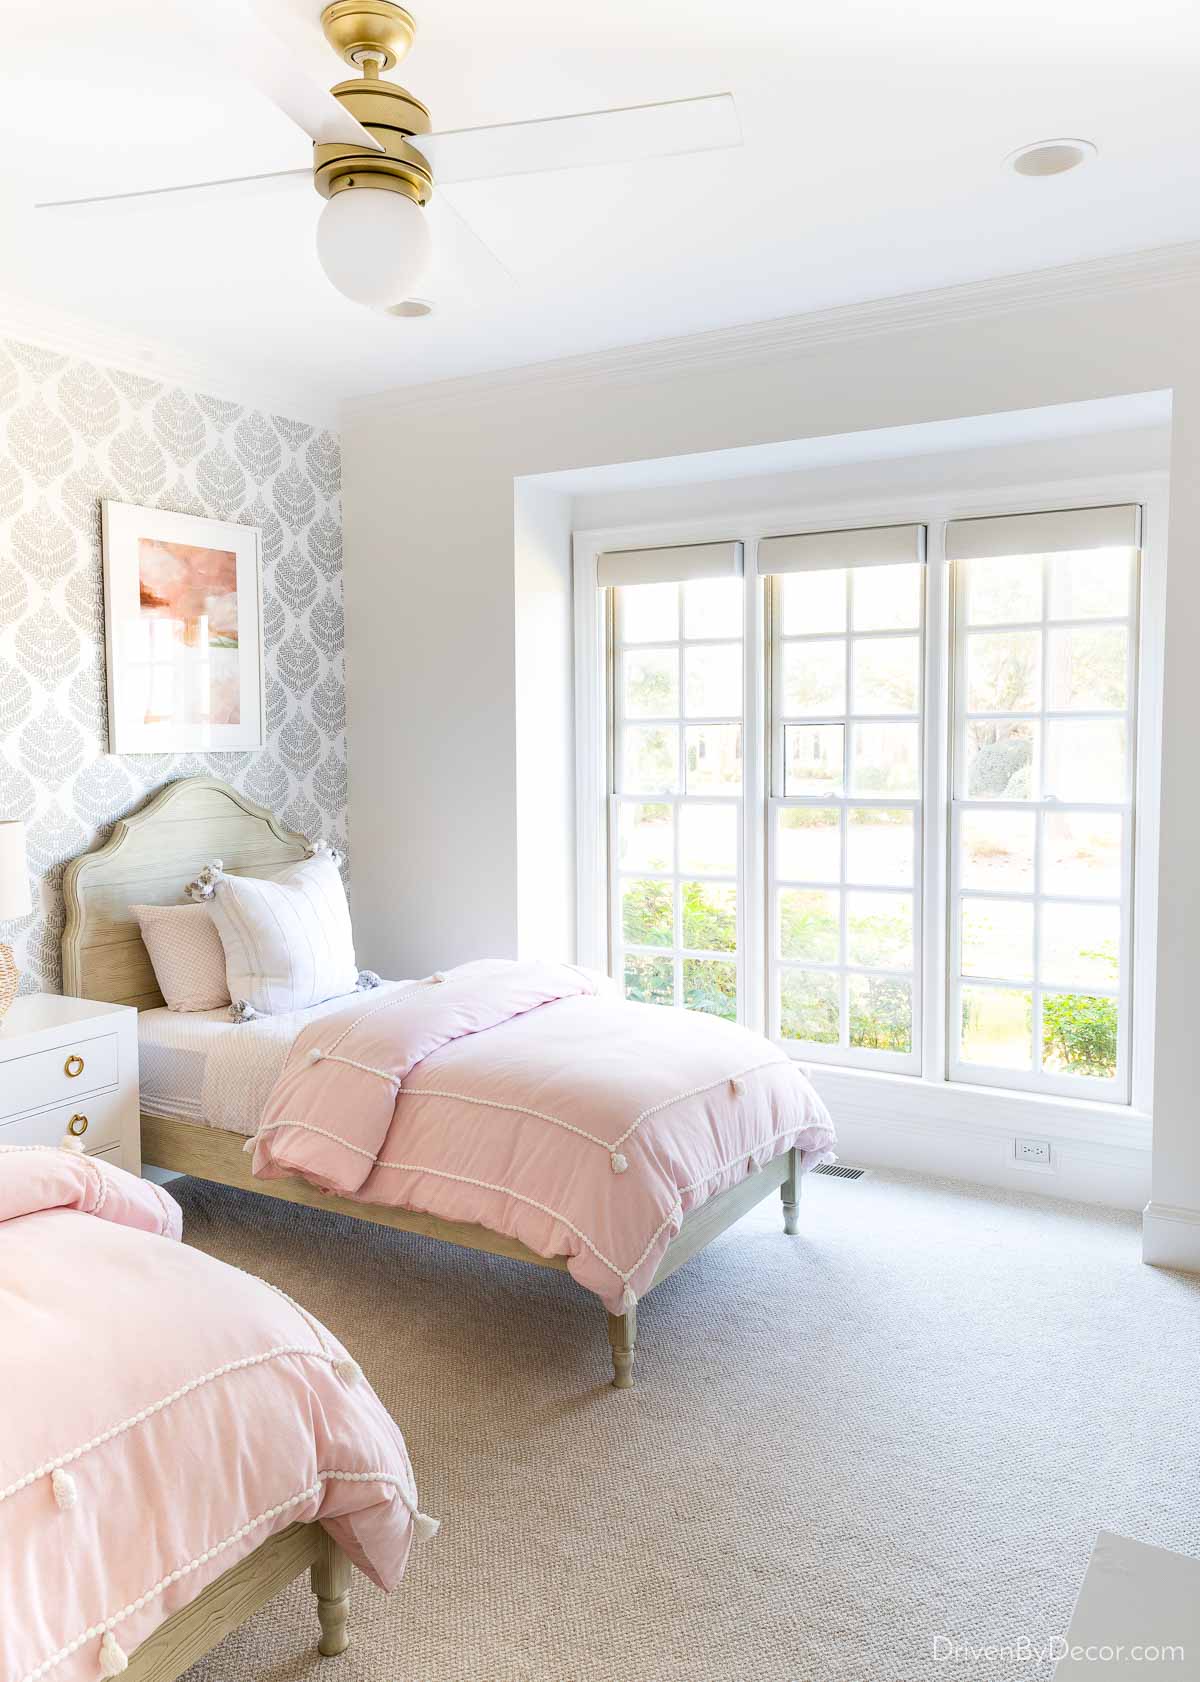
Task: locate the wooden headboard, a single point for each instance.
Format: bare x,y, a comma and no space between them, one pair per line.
147,860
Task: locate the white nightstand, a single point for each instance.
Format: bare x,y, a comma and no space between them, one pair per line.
71,1065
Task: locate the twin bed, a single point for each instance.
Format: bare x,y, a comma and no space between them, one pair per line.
205,1079
541,1122
180,1440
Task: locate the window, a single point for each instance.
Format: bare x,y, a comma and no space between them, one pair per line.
844,825
1044,681
676,810
888,850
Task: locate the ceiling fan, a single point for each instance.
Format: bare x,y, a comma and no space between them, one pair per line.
375,157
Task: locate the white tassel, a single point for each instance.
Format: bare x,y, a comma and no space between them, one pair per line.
69,1142
315,1055
628,1301
737,1086
347,1369
63,1485
424,1527
112,1660
249,1145
620,1162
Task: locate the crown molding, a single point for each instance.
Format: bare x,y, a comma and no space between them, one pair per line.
260,387
768,340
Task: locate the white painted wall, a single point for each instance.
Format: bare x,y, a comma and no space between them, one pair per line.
431,611
430,668
545,723
1117,454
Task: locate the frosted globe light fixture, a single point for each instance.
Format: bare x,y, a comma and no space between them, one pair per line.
373,245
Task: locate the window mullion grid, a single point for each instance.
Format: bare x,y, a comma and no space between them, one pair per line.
677,799
1044,809
943,615
843,800
849,744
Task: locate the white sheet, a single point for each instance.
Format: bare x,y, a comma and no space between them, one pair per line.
199,1066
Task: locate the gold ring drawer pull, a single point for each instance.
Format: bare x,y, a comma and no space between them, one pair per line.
73,1066
77,1125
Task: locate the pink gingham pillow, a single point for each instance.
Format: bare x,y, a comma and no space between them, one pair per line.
186,951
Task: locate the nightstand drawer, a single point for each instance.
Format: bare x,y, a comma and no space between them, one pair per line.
69,1071
96,1122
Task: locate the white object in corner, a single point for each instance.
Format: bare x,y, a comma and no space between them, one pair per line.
71,1066
1138,1611
1171,1236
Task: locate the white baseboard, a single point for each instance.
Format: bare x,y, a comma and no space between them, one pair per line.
1171,1236
1081,1172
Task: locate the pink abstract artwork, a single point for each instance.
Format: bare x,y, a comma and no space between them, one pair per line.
189,606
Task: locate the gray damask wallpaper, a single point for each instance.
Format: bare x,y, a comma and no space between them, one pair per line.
71,433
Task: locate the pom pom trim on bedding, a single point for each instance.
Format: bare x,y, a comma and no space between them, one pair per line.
515,1097
171,1360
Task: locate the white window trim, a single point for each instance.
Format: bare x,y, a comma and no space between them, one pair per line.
929,1097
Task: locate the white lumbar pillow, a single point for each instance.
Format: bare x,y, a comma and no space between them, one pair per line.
287,938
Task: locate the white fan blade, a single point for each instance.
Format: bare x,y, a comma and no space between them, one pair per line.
236,30
285,179
463,266
592,137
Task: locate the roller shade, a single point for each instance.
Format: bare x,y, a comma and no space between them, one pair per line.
669,566
868,546
1116,527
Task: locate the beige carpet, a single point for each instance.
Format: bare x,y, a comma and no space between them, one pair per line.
907,1424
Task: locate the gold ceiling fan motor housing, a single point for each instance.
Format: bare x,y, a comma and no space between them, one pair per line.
373,35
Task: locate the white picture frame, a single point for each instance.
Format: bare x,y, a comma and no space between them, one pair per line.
183,631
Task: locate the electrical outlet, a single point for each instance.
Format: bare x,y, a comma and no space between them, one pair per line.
1032,1151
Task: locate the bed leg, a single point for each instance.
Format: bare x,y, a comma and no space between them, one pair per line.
622,1334
330,1579
790,1192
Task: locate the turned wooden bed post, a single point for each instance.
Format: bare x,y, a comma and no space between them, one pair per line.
790,1192
622,1334
330,1577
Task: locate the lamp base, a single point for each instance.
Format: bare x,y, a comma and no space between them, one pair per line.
9,976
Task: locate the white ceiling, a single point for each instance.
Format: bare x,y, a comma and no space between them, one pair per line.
875,136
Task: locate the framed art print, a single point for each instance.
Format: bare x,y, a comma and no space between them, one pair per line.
183,616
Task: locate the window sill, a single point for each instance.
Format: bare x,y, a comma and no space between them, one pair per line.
878,1096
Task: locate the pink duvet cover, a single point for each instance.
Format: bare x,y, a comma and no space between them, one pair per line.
161,1414
512,1096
